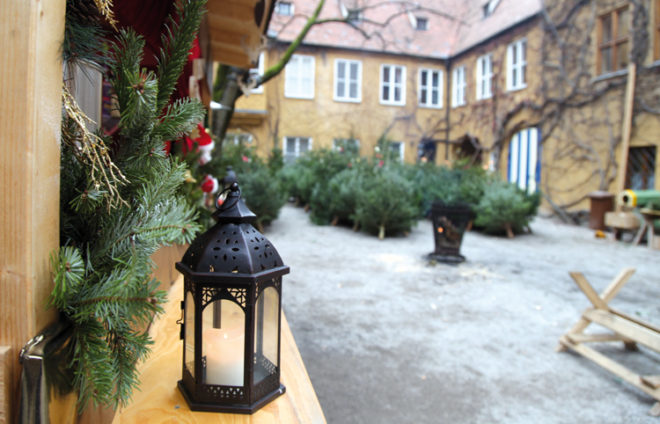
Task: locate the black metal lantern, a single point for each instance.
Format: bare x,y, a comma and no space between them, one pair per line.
449,224
231,314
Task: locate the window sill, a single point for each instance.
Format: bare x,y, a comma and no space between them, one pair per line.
609,75
483,99
457,106
392,104
347,100
289,96
520,87
430,106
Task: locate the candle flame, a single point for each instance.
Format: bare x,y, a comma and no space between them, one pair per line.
441,230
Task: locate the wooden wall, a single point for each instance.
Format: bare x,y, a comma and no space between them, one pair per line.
30,90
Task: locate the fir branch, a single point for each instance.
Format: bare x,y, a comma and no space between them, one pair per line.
176,41
179,119
139,109
114,299
93,375
167,222
125,58
69,270
128,347
88,200
155,188
91,149
83,41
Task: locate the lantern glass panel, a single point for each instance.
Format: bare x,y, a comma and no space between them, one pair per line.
266,334
223,339
189,331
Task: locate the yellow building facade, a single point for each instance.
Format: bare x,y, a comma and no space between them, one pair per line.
541,101
324,117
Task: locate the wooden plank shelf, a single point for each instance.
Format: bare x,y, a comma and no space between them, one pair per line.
159,399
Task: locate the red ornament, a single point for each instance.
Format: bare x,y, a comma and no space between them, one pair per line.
209,184
205,144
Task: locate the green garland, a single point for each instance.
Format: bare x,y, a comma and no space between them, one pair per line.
102,272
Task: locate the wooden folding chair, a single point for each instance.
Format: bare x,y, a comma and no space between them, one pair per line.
623,328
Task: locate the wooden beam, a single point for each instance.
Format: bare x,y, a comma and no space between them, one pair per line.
636,321
5,383
617,283
653,381
638,333
613,367
626,128
235,36
589,291
596,338
30,89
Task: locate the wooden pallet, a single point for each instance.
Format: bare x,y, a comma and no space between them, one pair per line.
623,328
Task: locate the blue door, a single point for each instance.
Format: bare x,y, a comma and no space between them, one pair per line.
525,159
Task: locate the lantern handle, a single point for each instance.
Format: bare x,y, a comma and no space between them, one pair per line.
234,187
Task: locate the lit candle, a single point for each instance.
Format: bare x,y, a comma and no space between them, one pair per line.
224,356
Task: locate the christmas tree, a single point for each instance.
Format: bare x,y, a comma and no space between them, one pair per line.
119,205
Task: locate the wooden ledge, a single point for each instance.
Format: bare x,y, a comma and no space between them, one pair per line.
159,399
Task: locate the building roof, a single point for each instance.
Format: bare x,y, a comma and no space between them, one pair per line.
389,26
478,28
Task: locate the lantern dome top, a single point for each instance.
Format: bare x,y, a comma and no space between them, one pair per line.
232,247
233,209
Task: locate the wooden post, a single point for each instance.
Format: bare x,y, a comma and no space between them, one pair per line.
30,106
5,384
626,128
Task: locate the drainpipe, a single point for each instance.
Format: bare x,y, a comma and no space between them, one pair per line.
449,75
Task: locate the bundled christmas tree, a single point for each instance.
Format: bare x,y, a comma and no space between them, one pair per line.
504,208
385,203
118,206
344,190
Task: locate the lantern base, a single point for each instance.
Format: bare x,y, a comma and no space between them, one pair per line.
231,408
447,258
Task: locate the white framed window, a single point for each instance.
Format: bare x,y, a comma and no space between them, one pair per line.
284,8
489,7
516,65
484,77
299,77
237,138
294,147
421,24
259,70
397,147
429,89
352,15
393,85
348,80
346,145
458,85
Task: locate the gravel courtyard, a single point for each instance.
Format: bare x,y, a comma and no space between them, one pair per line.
388,338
